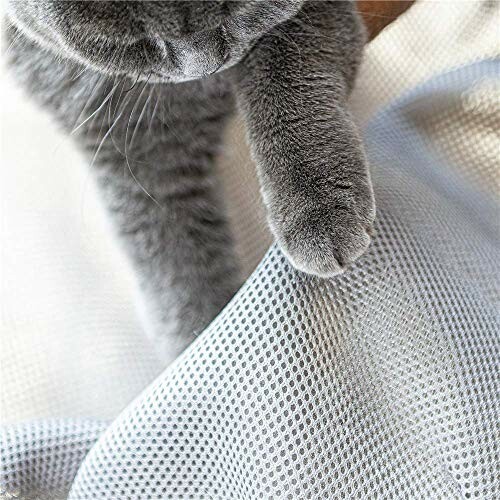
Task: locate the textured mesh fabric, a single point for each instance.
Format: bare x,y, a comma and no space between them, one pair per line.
40,459
381,383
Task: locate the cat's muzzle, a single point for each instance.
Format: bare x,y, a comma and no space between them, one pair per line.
175,59
200,54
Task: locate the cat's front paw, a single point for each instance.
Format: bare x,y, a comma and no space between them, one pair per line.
324,239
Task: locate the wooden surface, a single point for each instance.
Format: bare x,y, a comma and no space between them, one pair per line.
377,14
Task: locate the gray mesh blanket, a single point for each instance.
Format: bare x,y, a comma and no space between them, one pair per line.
380,383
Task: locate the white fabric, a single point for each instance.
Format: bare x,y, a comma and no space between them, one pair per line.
40,458
381,383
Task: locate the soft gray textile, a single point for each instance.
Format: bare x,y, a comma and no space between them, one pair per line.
380,383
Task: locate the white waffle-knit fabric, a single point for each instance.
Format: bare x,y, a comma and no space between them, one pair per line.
380,383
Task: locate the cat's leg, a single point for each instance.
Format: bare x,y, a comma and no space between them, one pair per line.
152,150
158,180
293,89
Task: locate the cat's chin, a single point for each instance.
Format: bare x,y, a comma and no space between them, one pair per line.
161,72
158,74
154,76
153,65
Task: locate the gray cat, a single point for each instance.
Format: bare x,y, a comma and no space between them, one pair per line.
146,88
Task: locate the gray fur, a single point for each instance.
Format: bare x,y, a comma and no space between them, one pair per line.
146,88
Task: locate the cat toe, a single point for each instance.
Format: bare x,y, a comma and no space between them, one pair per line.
328,247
